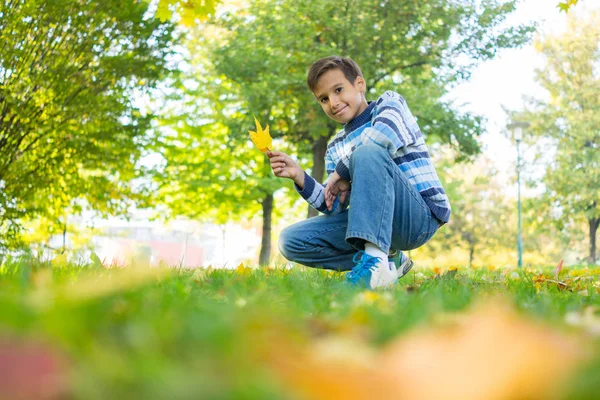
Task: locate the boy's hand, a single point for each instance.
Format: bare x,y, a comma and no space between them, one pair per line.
336,185
284,166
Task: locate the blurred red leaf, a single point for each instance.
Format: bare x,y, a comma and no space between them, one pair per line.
31,371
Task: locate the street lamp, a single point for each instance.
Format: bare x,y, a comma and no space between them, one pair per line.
517,129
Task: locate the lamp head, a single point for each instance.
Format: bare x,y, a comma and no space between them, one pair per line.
517,128
518,133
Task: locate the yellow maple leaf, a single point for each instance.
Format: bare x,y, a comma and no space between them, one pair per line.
261,138
243,270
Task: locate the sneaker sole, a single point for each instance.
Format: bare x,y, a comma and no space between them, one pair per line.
405,268
382,284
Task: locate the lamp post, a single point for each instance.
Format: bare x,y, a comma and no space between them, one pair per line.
517,128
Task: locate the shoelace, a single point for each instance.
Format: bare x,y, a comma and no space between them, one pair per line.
364,263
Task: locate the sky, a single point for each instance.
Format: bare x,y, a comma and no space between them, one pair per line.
503,81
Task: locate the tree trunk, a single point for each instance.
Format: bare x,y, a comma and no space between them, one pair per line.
471,254
265,246
64,237
593,222
318,171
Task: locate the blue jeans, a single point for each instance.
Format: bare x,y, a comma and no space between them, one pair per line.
385,209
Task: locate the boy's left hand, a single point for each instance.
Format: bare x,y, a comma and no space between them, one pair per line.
336,185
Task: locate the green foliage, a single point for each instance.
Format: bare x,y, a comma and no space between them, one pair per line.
482,216
416,48
70,134
212,171
206,179
566,5
554,239
569,121
187,10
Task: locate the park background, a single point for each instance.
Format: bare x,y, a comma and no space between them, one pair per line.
139,224
185,187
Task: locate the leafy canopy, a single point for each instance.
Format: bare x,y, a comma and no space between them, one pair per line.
71,134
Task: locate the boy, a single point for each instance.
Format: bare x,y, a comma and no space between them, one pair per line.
382,192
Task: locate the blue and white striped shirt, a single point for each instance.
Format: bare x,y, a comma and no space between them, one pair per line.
389,123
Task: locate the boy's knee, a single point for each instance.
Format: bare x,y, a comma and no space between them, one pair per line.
368,153
288,243
369,150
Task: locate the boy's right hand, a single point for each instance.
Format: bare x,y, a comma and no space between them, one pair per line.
284,166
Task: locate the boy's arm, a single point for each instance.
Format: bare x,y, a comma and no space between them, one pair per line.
299,181
314,192
393,127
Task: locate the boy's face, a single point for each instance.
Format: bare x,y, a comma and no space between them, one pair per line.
341,100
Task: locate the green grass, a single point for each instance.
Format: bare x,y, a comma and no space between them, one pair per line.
194,334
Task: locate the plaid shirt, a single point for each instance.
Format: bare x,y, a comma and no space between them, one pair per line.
389,123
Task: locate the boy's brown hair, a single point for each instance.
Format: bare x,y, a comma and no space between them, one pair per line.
350,69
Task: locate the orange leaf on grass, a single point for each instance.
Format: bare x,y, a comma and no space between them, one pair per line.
261,138
489,352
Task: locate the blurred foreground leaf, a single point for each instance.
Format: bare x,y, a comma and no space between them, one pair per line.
489,353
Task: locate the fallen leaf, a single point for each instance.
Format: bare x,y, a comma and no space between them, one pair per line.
243,270
450,274
30,370
559,284
488,353
313,372
541,278
367,297
261,138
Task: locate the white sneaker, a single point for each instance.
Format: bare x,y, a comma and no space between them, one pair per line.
403,267
371,272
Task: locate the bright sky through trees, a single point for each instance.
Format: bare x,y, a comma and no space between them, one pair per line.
503,81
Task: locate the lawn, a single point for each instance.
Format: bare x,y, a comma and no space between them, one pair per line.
91,332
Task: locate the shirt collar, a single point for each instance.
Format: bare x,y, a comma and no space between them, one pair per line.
361,119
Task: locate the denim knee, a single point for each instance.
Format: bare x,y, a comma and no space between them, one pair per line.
288,243
368,151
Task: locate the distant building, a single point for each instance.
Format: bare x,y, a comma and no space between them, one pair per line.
178,243
189,246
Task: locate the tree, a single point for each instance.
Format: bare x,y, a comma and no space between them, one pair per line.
403,45
69,127
265,48
268,50
208,178
570,121
482,217
551,239
211,171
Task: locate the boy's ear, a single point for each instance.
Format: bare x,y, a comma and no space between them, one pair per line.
360,84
